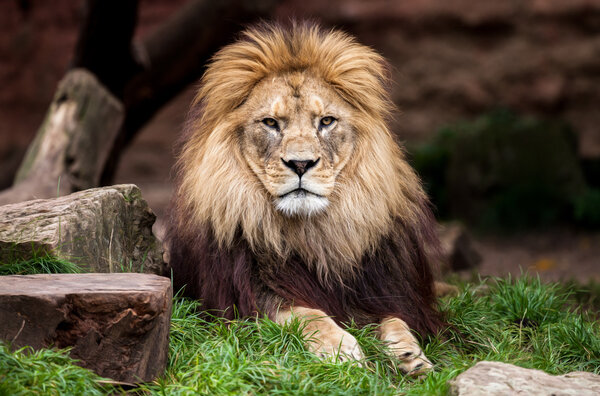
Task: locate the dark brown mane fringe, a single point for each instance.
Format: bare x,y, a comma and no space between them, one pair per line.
396,280
393,281
221,279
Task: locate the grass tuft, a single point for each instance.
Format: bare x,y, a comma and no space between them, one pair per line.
14,261
39,265
45,372
527,301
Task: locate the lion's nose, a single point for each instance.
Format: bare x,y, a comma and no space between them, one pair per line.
300,166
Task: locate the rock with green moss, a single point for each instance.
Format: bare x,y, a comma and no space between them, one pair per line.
105,229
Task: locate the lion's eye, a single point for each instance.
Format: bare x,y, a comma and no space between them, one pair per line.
326,121
271,123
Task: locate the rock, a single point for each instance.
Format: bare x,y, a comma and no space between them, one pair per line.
105,229
457,248
495,378
116,324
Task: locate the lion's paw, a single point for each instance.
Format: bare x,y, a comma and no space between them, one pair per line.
402,344
335,343
325,338
413,360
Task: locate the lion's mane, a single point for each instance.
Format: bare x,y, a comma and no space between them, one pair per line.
363,258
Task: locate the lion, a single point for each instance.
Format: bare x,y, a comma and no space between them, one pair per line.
293,198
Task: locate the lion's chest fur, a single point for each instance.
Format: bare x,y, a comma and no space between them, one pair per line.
392,278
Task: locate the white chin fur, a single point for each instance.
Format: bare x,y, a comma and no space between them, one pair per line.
301,204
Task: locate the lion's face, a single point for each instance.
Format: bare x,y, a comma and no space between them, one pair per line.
288,148
296,139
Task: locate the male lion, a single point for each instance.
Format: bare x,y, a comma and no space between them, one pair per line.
293,198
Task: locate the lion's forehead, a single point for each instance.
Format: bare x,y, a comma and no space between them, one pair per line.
291,97
292,107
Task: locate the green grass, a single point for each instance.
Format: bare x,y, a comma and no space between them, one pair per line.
45,372
19,260
43,264
37,261
523,321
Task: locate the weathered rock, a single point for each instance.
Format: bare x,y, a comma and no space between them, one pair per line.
495,378
105,229
116,324
457,250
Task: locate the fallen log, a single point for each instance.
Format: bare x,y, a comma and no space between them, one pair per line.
73,143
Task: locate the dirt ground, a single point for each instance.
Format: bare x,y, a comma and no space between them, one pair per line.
555,254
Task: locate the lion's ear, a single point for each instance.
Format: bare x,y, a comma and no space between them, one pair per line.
238,67
359,74
227,74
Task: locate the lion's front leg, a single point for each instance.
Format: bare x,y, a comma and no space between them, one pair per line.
325,337
404,345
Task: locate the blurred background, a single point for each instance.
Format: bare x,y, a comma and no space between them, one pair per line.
498,104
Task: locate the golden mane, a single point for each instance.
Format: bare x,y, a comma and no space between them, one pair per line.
374,191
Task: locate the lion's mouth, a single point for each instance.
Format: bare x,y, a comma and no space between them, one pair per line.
300,201
298,193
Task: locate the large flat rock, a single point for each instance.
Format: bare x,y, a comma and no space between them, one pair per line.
116,324
496,378
106,229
